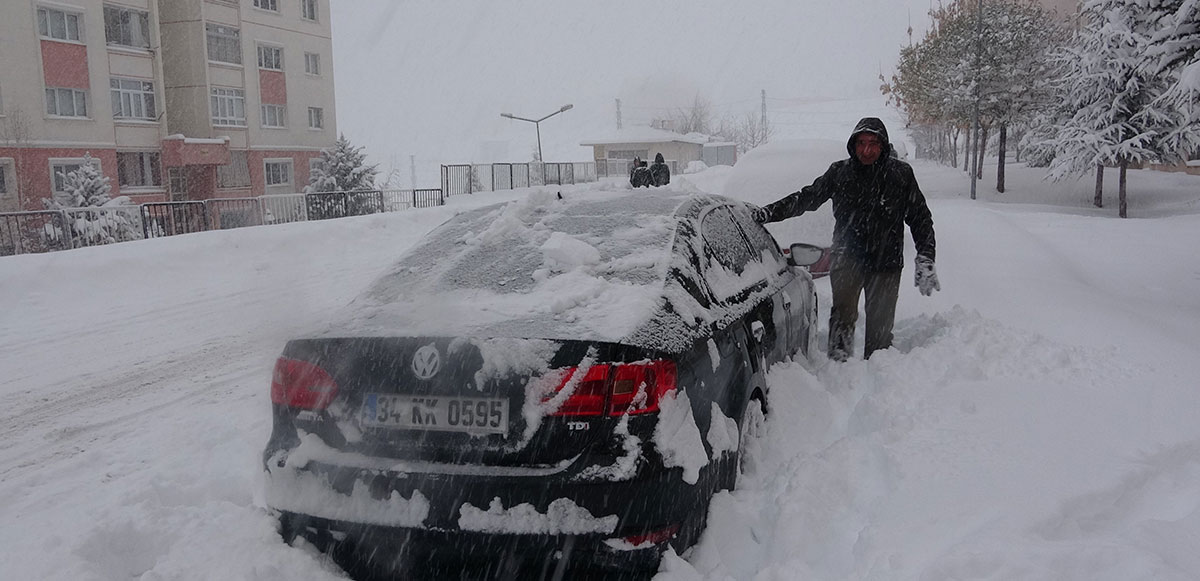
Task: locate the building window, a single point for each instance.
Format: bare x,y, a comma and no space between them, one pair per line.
274,116
272,5
3,179
138,169
237,173
177,184
61,167
66,102
132,99
312,63
58,24
270,57
316,118
308,9
126,27
314,164
224,44
278,173
228,107
628,153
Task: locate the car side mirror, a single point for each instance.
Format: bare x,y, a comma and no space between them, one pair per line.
801,254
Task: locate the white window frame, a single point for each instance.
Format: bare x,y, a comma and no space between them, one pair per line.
131,96
270,57
224,35
141,29
78,100
316,114
282,166
147,160
72,24
225,104
57,185
309,10
313,164
312,63
268,5
8,177
273,116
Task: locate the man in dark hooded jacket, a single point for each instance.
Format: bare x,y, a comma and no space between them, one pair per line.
660,173
874,195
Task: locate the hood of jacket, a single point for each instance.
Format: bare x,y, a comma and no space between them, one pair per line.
870,125
658,158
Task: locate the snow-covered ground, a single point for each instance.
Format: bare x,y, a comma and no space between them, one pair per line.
1036,419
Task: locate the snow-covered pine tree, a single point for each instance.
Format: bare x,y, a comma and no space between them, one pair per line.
1174,53
86,188
343,168
1113,93
83,187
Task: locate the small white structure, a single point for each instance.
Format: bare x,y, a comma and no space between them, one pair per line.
615,150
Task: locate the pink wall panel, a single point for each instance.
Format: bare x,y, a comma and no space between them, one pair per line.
65,65
273,87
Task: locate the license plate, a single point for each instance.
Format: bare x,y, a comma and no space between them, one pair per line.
478,415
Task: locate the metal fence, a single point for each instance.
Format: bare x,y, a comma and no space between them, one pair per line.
102,225
327,205
397,200
470,179
30,232
228,213
283,208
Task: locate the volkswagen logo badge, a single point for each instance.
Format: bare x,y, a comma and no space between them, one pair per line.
426,362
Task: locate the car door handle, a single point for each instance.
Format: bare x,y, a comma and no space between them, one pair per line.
787,302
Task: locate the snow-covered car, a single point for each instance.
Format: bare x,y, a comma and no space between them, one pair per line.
548,385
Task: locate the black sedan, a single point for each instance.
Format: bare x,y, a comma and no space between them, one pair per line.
546,388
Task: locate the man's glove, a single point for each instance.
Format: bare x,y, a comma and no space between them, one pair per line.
761,215
925,277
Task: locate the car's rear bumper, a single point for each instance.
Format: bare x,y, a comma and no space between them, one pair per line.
388,552
460,517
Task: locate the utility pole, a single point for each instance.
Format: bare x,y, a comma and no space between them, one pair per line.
975,111
618,114
412,170
764,110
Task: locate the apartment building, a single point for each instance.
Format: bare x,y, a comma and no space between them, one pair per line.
172,99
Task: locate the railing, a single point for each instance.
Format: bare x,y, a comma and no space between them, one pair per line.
469,179
228,213
173,218
283,208
102,225
30,232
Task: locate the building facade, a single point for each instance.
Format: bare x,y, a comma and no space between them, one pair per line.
171,99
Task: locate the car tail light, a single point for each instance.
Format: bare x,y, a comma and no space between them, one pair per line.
614,389
653,537
300,384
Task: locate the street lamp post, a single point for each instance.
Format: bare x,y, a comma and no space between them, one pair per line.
537,125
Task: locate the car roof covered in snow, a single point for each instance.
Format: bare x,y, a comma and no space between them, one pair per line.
593,266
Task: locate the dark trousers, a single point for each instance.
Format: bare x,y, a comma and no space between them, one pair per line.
848,279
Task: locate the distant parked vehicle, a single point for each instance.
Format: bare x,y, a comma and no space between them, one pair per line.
541,389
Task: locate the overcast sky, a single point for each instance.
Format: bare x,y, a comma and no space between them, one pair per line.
430,79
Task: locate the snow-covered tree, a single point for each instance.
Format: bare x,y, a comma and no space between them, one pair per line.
83,187
343,168
1174,53
1115,96
92,215
1002,66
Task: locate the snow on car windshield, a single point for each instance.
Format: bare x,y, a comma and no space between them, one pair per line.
588,267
